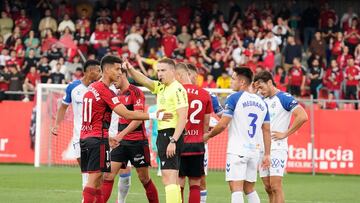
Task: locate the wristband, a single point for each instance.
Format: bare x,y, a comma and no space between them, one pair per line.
161,116
152,115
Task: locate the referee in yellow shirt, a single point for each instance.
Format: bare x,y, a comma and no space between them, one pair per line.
172,97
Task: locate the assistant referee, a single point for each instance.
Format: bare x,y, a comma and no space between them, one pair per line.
172,98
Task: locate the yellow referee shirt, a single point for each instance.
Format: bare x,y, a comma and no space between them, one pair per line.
170,98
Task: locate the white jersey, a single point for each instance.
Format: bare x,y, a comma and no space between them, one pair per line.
74,95
248,112
281,106
113,129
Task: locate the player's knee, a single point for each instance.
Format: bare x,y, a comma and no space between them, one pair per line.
276,187
268,189
144,179
109,176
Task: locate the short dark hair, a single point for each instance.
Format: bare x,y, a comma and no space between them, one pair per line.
264,76
91,62
192,67
167,61
109,59
246,73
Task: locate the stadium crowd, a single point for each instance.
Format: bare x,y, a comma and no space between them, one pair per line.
307,50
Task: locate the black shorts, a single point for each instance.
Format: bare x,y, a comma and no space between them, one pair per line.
95,155
162,142
137,152
192,166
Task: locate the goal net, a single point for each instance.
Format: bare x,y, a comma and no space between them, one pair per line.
53,150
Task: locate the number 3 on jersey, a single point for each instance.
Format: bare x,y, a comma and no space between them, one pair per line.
87,110
199,105
252,124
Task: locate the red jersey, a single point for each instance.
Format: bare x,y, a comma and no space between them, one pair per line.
353,38
170,44
98,103
354,72
333,79
199,105
133,99
296,75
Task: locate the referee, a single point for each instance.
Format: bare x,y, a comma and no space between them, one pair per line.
172,98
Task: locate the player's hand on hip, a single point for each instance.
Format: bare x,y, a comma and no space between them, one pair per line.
206,137
54,130
266,162
171,150
278,135
163,116
113,142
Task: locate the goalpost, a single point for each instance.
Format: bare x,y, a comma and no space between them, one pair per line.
53,150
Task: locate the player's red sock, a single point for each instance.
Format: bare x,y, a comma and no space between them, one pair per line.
182,194
194,196
89,195
151,192
107,189
99,196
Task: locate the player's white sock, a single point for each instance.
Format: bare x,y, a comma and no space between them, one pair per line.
253,197
123,187
237,197
84,179
203,195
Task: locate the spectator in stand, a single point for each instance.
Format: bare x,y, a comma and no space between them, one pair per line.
343,58
297,78
134,40
330,30
66,22
24,23
84,22
128,14
209,83
15,82
48,22
184,36
82,40
57,77
357,55
316,74
291,51
318,45
44,69
4,81
269,37
184,14
32,43
352,35
6,25
29,62
10,42
100,37
352,75
333,79
223,81
326,14
336,45
31,80
331,104
71,68
199,37
347,18
269,58
4,56
169,42
310,22
281,79
152,39
235,12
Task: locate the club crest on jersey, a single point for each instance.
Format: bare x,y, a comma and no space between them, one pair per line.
115,100
273,105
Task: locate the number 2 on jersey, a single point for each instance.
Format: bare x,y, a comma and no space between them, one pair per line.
87,110
252,124
196,112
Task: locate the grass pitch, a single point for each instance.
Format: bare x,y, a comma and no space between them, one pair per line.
24,183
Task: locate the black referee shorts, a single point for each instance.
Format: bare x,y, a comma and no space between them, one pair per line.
162,143
95,155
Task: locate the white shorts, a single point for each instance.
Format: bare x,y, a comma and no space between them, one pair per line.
75,149
278,163
206,159
241,168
